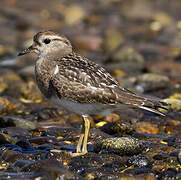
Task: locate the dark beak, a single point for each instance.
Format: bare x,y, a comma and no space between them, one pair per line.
26,51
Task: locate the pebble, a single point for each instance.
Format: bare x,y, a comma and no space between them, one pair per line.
139,161
150,82
118,127
128,54
122,145
18,122
74,14
175,104
146,127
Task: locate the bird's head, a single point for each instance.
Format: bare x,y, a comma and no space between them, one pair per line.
47,43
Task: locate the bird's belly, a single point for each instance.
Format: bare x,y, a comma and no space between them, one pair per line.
81,109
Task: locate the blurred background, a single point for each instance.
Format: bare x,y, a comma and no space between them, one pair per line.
127,37
137,41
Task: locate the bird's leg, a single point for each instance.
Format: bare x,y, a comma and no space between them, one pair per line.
83,138
86,134
79,145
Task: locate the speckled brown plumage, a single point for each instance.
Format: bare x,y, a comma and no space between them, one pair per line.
79,79
83,81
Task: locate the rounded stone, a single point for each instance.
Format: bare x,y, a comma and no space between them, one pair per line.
122,145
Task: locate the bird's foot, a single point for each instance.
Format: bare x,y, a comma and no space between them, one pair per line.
78,154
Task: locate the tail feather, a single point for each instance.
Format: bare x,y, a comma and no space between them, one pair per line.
154,106
151,110
142,102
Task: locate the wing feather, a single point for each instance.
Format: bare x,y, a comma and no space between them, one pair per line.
84,81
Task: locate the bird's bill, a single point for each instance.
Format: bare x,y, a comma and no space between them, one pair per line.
26,51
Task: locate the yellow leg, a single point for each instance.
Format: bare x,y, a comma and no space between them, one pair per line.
87,128
79,145
82,143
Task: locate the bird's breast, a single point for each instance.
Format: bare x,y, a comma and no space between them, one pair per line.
43,76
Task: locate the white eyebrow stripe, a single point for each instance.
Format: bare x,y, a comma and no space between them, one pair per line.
56,70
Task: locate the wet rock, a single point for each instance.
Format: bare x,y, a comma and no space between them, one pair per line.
74,14
169,174
128,54
163,18
113,38
118,128
75,120
69,133
121,146
44,140
30,93
150,82
8,105
25,146
97,165
21,163
17,121
97,134
139,161
6,139
117,73
166,66
54,170
3,86
139,171
100,173
174,140
140,10
6,50
160,156
87,42
92,159
16,132
172,162
146,127
63,156
172,126
10,156
175,104
13,82
147,137
14,153
46,113
131,68
27,72
126,59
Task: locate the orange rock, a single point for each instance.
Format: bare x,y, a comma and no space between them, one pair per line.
146,127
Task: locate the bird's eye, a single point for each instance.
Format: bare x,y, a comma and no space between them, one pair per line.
66,42
46,41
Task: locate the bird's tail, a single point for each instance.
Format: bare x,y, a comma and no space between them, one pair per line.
144,103
156,108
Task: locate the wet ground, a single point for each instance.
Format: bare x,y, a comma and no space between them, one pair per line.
139,43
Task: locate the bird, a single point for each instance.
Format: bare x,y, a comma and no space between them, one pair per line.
78,84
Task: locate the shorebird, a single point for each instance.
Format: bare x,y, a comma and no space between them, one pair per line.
78,84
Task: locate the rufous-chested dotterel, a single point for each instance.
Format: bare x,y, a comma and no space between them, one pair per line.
78,84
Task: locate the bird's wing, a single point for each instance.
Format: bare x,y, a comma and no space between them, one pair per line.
80,80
